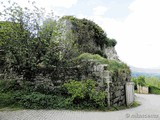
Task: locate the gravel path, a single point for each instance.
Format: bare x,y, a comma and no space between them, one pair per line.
149,110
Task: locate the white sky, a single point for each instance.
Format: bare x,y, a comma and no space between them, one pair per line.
136,27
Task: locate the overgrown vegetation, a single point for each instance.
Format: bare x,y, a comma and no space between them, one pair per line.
72,95
84,92
112,64
29,41
154,90
89,35
23,42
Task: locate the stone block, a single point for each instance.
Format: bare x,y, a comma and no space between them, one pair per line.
122,97
100,68
116,100
115,104
1,76
106,80
97,74
106,73
118,93
100,82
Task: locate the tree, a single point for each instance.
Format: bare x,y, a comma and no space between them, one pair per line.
22,40
141,81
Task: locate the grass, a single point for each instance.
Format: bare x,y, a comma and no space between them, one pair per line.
112,64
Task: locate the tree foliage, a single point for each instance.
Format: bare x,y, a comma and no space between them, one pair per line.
29,40
139,81
26,40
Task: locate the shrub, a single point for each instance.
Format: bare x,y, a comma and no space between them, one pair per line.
154,90
5,99
9,85
44,89
111,42
37,100
85,91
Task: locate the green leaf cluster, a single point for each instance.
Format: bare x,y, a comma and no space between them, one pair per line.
81,91
139,81
28,41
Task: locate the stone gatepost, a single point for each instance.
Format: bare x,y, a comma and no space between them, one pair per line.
129,93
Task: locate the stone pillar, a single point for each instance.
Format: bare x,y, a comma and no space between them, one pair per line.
129,93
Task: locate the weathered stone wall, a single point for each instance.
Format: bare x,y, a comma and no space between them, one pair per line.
116,80
142,89
117,88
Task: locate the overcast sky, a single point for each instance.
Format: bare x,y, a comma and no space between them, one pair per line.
135,24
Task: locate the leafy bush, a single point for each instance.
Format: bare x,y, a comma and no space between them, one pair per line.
5,99
36,100
154,90
43,88
9,85
84,91
32,100
141,81
111,42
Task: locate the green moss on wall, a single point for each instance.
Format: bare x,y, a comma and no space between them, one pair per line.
112,64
